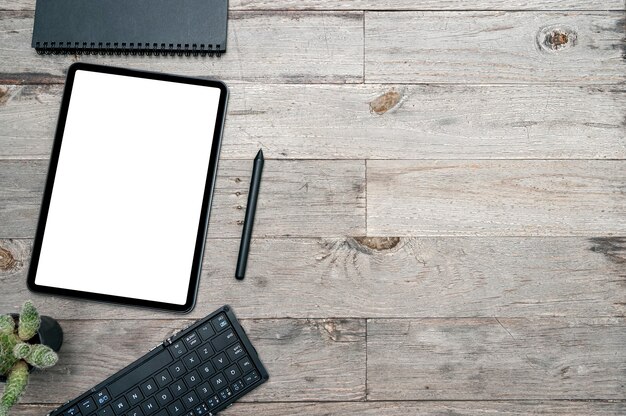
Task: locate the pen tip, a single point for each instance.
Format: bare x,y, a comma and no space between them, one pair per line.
259,155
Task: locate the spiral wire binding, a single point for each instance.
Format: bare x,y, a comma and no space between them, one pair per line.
107,48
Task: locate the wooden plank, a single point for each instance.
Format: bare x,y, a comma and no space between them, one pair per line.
319,198
375,121
306,359
491,47
21,192
28,116
298,47
495,198
461,408
392,5
491,358
424,5
408,277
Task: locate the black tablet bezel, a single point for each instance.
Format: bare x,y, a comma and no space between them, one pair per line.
206,201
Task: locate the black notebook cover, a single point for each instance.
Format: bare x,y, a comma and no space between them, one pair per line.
160,27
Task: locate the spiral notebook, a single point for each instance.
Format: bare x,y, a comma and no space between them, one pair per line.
131,27
129,187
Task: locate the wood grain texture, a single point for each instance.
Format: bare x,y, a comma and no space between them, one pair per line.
414,252
296,198
298,47
495,198
422,408
491,359
416,277
306,359
392,5
491,47
362,121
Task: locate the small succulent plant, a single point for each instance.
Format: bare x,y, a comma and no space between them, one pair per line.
16,353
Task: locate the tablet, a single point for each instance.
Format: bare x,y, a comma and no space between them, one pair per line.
126,205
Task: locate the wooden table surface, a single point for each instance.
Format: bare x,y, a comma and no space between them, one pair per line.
442,222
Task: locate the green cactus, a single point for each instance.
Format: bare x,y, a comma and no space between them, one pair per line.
21,350
16,383
7,324
16,355
41,356
7,359
29,321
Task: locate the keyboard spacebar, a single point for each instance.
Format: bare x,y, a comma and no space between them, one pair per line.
138,374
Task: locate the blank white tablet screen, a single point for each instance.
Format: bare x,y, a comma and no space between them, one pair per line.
127,196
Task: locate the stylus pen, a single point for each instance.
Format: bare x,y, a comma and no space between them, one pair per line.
246,235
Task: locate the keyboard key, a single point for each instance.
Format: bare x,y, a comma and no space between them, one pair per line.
120,406
191,360
220,322
164,397
131,379
190,400
135,412
245,364
105,411
134,396
178,388
213,402
177,369
218,382
202,409
87,406
176,408
232,372
72,411
220,361
205,352
163,412
237,386
102,397
163,378
177,349
251,378
148,387
235,352
149,406
226,393
206,332
204,390
222,341
192,379
207,370
192,340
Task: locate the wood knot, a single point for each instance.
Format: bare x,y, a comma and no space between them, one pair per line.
7,261
556,38
614,248
565,372
378,243
4,95
385,102
330,328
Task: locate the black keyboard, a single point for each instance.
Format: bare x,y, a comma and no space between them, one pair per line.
198,371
